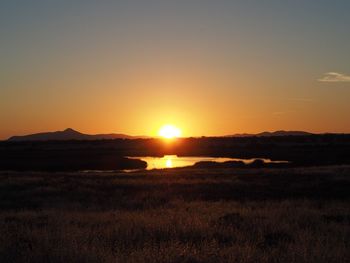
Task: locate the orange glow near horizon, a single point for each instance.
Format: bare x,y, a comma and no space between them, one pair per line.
213,69
169,131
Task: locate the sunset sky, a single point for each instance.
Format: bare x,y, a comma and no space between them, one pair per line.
209,67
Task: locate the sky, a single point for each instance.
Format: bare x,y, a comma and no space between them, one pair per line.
209,67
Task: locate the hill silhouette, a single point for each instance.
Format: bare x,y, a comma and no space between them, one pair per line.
70,134
275,133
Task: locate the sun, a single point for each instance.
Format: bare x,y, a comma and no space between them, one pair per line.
169,131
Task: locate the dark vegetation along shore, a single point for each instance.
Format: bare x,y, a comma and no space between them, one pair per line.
75,155
299,212
177,215
67,160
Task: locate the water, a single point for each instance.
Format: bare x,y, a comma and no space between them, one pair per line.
173,161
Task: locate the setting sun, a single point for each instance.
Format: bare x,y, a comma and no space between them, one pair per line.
169,131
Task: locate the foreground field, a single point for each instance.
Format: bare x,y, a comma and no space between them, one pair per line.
182,215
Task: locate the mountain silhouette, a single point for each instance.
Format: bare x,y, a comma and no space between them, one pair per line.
70,134
275,133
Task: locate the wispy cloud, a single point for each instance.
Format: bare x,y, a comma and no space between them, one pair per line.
334,77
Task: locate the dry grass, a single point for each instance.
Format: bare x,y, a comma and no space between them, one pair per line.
182,215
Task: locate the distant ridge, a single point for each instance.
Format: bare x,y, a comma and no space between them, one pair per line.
70,134
275,133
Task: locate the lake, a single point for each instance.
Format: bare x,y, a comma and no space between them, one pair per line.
173,161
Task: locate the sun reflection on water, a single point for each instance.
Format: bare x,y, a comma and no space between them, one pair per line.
173,161
168,163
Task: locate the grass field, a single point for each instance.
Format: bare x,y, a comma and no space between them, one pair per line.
179,215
